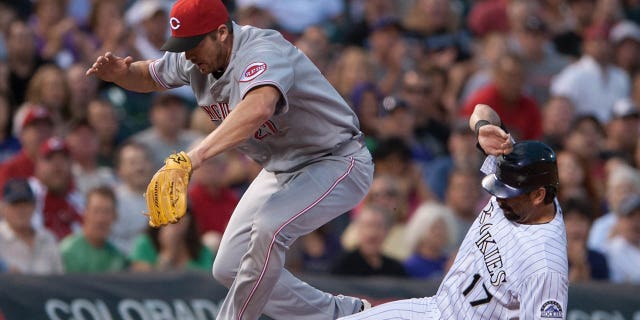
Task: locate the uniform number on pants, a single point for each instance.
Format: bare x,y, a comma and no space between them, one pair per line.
476,278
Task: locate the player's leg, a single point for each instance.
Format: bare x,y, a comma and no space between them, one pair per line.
235,240
308,199
409,309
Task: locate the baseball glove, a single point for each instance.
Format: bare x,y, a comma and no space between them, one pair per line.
166,194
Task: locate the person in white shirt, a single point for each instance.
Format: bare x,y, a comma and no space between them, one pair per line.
23,248
623,249
134,169
593,83
622,182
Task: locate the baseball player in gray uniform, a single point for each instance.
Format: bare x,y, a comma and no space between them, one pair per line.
275,106
512,263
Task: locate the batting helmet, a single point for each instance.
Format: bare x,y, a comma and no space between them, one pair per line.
530,165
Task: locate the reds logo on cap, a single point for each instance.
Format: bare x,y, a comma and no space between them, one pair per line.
174,23
252,71
191,20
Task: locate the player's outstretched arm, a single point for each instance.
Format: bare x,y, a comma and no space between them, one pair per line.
133,76
487,125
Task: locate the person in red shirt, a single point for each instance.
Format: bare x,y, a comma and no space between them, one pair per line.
212,200
506,96
34,125
58,203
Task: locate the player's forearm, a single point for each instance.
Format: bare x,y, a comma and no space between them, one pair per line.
138,78
240,125
483,112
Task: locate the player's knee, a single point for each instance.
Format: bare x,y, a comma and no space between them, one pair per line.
265,232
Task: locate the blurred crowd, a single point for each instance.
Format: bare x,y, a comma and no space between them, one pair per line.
76,153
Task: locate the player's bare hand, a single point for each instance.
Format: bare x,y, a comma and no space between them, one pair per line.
494,140
110,67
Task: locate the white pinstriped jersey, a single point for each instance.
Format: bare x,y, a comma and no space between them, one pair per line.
506,270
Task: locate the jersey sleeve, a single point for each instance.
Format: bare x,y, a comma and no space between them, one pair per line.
544,296
267,66
170,71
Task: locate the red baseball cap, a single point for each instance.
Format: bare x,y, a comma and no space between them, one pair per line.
53,144
34,114
191,21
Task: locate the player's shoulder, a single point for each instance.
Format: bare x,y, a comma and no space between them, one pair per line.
252,40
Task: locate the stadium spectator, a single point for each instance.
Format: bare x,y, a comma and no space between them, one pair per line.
90,251
168,116
102,116
575,181
623,181
149,20
635,89
212,200
385,192
584,264
393,157
49,88
540,59
134,169
372,224
351,70
314,253
58,37
557,115
109,31
307,14
464,198
33,126
24,248
431,234
387,54
9,145
173,247
585,139
314,42
623,248
82,90
593,83
22,60
623,129
570,41
366,101
625,37
58,203
431,129
462,155
489,50
506,96
83,147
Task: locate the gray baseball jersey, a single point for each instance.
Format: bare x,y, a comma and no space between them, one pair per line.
503,270
312,117
315,168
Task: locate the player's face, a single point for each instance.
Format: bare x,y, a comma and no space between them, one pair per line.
211,54
518,209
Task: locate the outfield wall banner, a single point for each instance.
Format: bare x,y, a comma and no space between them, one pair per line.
196,296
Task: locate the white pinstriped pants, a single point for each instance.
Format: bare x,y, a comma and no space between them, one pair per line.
409,309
